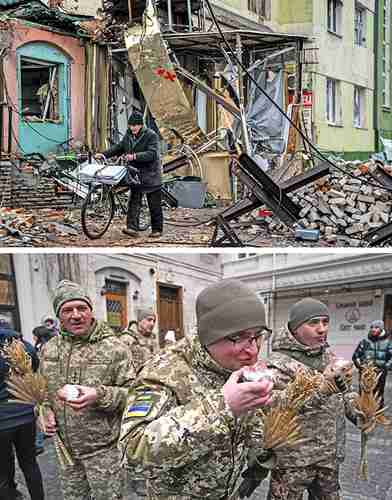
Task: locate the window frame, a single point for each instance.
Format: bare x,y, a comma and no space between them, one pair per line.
333,114
360,29
386,55
359,96
50,105
334,17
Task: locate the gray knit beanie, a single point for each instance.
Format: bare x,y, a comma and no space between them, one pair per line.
377,323
66,291
305,310
144,312
225,308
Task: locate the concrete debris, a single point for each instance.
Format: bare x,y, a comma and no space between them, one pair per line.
348,207
21,227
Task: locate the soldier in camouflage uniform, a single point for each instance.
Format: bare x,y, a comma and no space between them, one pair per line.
140,338
314,464
89,355
189,422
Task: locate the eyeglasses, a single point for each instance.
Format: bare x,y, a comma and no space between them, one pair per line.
241,341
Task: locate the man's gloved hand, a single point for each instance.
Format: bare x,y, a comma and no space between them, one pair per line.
256,473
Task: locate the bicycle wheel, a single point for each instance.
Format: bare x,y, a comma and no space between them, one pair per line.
144,216
97,212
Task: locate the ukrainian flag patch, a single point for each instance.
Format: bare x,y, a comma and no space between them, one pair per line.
139,409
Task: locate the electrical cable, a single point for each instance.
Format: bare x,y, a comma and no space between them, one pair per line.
319,154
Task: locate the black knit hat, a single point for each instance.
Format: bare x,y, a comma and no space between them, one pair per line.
136,118
305,310
227,307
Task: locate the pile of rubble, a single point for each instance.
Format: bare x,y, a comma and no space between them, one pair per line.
20,227
348,203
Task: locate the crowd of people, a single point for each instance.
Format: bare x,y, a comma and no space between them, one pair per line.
182,419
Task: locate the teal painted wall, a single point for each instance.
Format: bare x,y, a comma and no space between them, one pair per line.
43,137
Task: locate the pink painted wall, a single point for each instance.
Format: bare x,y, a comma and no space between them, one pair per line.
71,47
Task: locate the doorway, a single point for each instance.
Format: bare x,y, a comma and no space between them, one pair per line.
116,305
388,313
170,311
8,303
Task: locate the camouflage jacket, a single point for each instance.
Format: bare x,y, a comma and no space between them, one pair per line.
100,361
322,419
141,347
177,431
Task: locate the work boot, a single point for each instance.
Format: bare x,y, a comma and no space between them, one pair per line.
131,232
155,234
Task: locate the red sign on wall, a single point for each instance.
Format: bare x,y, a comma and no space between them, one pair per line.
307,98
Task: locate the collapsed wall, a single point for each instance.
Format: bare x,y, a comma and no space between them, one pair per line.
22,188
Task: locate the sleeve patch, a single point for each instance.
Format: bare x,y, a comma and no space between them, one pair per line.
138,409
143,402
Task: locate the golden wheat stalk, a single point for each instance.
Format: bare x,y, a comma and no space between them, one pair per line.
367,405
281,429
62,452
302,388
29,387
281,423
17,357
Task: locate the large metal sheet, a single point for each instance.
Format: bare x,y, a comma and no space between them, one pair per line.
157,78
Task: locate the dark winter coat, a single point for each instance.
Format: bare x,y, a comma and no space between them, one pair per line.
377,349
13,414
146,147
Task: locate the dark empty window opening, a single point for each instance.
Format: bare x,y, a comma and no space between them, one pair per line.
40,93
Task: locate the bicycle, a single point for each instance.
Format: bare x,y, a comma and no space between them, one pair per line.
105,200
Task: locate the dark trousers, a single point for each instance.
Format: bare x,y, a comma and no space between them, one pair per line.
380,387
154,200
22,438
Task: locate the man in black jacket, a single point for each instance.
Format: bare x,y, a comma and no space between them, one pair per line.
17,429
141,147
377,349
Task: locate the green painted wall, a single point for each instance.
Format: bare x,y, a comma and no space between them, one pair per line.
383,115
295,11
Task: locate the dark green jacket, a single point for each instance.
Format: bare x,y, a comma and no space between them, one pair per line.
146,147
375,349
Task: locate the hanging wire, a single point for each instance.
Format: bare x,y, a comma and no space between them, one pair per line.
318,152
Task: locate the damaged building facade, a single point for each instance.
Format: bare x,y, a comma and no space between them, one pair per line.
43,74
118,284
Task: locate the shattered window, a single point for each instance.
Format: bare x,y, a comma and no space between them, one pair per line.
359,107
40,93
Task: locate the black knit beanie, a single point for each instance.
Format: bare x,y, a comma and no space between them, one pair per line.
225,308
305,310
136,118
